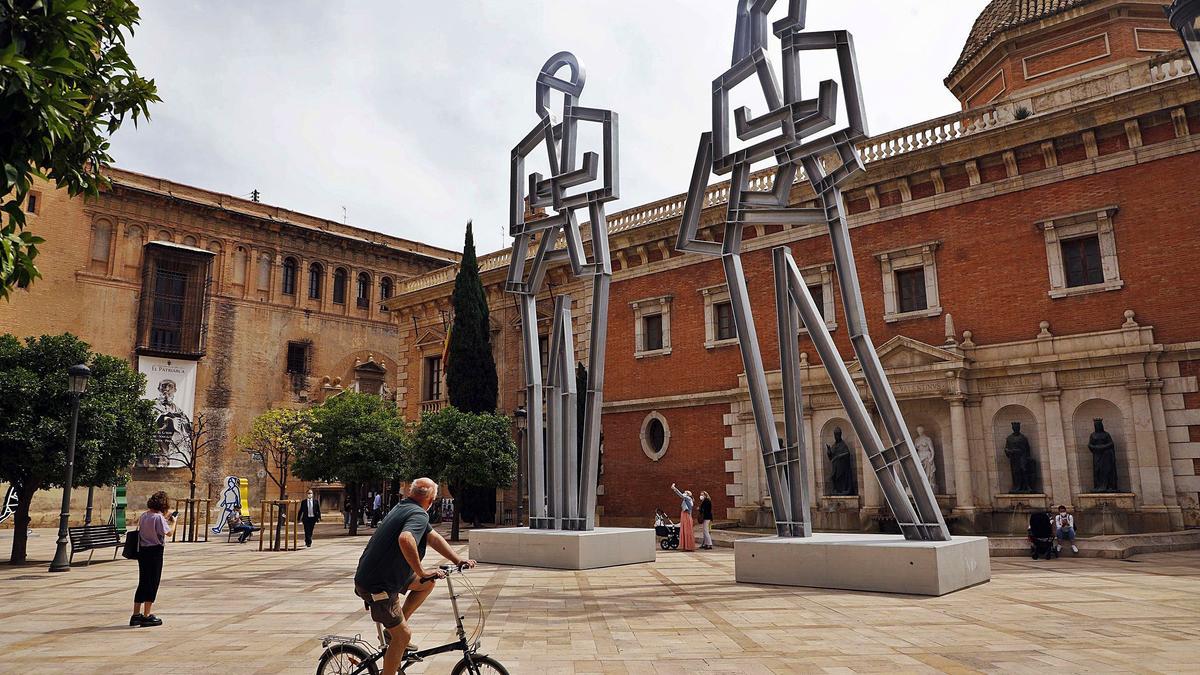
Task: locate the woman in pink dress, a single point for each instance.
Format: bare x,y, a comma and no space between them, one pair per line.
687,540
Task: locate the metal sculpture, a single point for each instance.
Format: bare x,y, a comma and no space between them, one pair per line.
827,162
562,475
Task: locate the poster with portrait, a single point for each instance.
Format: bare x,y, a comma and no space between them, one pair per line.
171,384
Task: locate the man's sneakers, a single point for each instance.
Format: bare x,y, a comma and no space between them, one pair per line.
150,620
135,620
1074,548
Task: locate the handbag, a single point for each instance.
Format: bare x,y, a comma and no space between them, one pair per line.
130,551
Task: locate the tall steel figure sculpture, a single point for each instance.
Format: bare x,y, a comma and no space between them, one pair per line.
562,476
827,161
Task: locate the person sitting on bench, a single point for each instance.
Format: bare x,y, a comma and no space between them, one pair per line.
241,528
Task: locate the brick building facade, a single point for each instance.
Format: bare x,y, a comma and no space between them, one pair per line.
283,308
1021,260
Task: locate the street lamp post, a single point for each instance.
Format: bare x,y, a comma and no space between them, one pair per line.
520,416
78,376
1185,18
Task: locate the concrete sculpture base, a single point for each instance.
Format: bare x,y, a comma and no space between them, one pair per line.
864,562
564,550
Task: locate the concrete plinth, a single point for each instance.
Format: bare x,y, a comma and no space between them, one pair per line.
864,562
564,550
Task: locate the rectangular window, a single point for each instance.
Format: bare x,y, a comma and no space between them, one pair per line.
723,316
817,292
297,358
1081,261
911,285
544,354
652,333
171,316
432,386
31,204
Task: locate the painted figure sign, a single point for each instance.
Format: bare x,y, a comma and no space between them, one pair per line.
171,384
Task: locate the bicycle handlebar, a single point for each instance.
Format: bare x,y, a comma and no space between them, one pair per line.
447,571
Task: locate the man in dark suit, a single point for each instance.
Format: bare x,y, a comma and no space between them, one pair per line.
310,514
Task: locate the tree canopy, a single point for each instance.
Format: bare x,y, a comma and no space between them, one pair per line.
67,84
471,381
464,450
360,438
116,424
275,438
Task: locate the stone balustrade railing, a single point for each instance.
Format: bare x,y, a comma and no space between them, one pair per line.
1170,65
935,132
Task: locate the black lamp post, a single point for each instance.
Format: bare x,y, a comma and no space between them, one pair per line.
520,416
1185,18
78,376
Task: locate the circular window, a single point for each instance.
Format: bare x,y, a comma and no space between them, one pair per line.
655,436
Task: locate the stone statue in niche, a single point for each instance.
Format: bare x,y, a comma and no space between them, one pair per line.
1104,459
841,477
1020,460
924,447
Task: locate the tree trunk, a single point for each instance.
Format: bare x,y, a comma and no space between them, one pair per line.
190,533
21,523
458,500
353,487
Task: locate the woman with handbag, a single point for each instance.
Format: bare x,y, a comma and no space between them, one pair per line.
153,528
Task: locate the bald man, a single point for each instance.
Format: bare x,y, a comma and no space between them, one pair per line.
391,566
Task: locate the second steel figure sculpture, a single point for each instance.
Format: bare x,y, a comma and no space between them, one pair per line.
562,476
827,161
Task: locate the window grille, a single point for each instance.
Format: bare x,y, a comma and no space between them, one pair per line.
172,316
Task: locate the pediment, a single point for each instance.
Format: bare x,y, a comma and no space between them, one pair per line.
902,352
430,336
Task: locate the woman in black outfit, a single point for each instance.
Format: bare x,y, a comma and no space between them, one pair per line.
706,518
153,527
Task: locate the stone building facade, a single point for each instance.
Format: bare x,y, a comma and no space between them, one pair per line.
1021,261
275,308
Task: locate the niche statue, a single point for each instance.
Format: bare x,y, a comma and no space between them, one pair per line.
925,452
1104,459
1020,460
841,460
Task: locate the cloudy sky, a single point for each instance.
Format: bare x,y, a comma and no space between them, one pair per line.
403,112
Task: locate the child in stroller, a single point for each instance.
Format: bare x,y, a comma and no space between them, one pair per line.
667,531
1041,536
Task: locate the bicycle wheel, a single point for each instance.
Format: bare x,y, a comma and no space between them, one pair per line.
479,665
344,659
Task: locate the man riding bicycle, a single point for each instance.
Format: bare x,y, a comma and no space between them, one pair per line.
390,566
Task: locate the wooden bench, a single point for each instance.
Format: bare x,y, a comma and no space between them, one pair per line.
246,520
92,537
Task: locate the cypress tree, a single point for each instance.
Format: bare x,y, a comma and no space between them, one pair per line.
470,371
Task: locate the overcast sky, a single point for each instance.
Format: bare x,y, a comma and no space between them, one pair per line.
404,112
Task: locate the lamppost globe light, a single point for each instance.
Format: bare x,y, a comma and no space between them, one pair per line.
79,375
1185,19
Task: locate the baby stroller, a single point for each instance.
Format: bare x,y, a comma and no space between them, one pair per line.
667,531
1041,536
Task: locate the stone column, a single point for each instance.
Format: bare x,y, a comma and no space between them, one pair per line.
1145,447
1058,484
814,455
963,494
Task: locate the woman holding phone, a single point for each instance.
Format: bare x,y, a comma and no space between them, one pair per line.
153,528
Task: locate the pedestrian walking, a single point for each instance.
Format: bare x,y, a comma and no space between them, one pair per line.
153,527
377,509
347,509
706,519
310,515
687,538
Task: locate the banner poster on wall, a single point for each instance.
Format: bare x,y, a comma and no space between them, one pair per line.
171,384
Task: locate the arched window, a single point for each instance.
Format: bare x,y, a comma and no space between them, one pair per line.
316,276
289,276
363,290
385,288
339,285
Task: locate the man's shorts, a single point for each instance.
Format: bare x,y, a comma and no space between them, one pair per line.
385,607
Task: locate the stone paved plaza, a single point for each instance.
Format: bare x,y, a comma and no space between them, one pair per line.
232,609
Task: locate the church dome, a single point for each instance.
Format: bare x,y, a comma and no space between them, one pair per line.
1001,15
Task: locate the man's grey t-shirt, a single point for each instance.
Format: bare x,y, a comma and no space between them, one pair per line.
382,567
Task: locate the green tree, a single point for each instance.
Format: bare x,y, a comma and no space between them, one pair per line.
66,85
463,450
277,436
470,369
360,438
115,422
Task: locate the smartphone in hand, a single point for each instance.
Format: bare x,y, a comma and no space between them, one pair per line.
175,513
